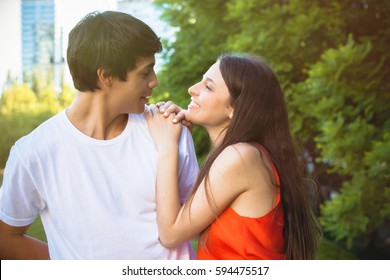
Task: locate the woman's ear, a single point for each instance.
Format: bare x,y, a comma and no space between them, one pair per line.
104,77
231,113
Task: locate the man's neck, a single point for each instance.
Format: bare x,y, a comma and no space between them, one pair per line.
92,115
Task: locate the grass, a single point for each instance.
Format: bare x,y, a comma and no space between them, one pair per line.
36,230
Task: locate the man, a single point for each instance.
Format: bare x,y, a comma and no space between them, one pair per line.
90,171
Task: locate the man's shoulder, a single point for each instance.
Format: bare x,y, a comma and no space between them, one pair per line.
40,136
185,137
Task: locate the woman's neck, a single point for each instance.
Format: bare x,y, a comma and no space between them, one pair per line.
216,135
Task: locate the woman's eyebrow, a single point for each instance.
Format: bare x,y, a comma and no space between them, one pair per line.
208,79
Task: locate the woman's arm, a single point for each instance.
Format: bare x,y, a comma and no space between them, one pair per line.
180,223
228,179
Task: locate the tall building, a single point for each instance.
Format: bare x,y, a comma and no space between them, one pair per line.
38,33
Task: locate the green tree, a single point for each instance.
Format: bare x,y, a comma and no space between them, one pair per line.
348,105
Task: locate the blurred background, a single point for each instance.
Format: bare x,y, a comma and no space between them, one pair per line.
332,58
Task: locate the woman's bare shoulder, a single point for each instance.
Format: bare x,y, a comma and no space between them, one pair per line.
237,159
245,152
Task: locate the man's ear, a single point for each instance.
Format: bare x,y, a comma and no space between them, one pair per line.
104,77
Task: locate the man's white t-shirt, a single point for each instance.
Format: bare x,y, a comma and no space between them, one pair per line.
96,198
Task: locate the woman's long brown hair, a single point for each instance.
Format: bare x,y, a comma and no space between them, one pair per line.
260,115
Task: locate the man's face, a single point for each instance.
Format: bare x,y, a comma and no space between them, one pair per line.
132,95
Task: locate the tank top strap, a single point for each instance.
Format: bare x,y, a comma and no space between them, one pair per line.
264,150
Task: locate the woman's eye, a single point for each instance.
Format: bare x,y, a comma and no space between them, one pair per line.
207,87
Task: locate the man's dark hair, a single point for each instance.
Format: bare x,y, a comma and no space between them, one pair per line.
110,40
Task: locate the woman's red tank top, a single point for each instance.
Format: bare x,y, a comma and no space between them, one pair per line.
234,237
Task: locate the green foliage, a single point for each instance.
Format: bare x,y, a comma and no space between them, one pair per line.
345,217
331,251
340,97
289,34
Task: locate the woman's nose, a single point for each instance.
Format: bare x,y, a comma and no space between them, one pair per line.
192,90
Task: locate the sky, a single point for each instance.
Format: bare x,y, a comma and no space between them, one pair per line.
68,13
10,45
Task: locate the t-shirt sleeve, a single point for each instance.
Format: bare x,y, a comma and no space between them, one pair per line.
19,199
188,164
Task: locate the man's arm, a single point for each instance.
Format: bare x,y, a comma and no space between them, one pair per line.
16,245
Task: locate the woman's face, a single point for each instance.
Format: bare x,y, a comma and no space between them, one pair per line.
210,106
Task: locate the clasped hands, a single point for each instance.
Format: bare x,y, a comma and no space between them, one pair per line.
163,119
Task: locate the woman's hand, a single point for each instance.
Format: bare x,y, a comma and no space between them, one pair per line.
168,108
165,132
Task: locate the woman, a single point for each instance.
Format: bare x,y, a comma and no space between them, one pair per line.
249,201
